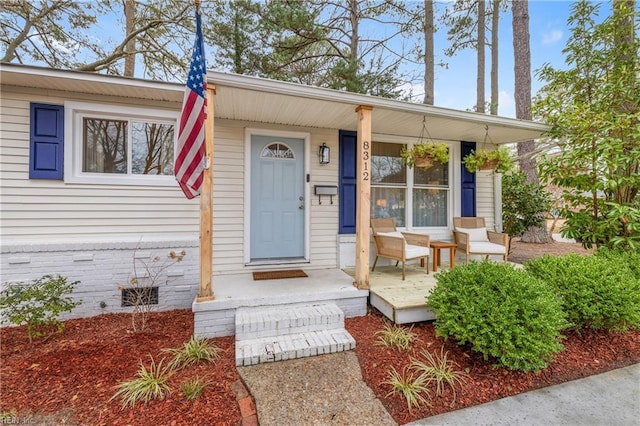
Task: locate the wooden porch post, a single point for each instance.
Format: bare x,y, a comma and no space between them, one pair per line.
363,188
205,292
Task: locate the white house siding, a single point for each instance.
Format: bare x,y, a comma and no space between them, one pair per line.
485,197
89,232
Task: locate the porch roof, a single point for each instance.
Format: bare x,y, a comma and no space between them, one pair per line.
253,99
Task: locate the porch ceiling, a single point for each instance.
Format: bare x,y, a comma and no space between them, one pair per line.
253,99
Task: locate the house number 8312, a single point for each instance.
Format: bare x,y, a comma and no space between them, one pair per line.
365,162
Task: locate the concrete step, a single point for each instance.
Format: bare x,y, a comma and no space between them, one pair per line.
291,346
271,321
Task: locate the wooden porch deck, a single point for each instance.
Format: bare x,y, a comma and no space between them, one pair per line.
402,301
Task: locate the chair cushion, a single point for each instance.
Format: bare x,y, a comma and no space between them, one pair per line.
475,234
486,248
412,252
391,234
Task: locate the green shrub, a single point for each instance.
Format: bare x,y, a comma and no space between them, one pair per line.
523,204
625,258
598,291
502,312
37,304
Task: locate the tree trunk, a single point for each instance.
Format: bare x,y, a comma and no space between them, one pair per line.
480,98
522,93
429,72
494,57
627,56
130,48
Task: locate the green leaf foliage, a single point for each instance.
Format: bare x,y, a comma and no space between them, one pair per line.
601,291
477,159
38,304
439,152
593,108
502,312
523,204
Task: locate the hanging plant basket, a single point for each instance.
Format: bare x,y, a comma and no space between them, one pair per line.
425,154
425,162
489,165
498,159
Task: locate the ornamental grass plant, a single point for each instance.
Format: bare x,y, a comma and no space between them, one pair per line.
194,351
414,389
440,370
150,384
396,336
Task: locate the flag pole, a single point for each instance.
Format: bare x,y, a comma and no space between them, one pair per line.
205,291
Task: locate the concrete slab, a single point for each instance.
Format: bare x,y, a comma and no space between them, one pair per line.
611,398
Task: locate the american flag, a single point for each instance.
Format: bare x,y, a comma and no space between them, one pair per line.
190,162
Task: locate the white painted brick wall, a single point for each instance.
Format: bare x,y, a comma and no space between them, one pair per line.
216,323
101,266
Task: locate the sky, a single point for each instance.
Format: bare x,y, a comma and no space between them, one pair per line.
455,86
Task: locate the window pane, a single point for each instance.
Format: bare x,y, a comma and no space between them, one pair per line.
438,174
152,148
430,207
386,164
388,202
104,146
278,150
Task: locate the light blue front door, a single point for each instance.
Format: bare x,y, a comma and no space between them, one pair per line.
277,198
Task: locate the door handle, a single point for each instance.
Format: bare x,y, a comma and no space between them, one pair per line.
301,206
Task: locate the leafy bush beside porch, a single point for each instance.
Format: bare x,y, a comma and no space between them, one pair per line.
599,291
502,312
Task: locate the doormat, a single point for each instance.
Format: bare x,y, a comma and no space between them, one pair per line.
275,275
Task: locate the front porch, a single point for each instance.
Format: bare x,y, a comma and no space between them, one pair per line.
402,301
215,318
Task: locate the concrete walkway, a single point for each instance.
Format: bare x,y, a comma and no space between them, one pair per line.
611,399
319,390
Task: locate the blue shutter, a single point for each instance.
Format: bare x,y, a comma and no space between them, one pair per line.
47,141
468,189
347,181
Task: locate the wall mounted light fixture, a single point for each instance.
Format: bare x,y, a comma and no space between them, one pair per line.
324,154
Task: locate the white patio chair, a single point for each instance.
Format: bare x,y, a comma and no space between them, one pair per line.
398,246
472,238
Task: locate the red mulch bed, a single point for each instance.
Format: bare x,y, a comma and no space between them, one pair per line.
70,377
586,353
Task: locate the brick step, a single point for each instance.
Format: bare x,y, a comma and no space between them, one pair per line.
291,346
258,322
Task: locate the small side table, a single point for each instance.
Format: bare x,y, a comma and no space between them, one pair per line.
437,246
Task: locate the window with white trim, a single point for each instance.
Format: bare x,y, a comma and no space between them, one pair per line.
119,145
414,197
